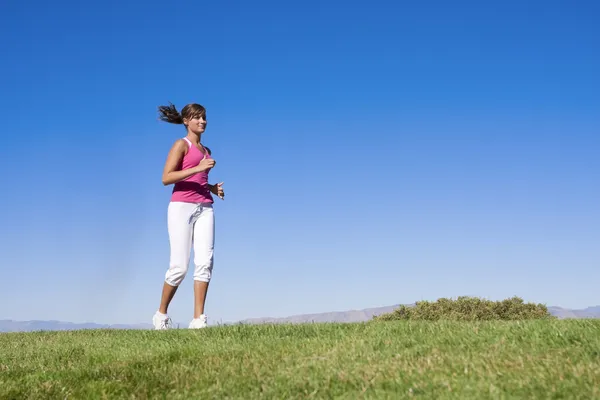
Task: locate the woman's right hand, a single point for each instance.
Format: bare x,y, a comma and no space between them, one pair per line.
205,164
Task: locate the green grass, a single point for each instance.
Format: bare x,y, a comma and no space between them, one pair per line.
544,359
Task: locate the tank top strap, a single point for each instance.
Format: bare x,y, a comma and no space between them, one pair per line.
188,142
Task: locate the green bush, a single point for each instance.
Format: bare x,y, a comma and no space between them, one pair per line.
468,309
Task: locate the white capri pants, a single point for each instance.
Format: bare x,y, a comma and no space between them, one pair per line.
190,224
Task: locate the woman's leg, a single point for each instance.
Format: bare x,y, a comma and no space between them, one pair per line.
204,240
180,239
200,290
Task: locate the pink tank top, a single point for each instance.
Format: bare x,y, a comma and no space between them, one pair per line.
193,189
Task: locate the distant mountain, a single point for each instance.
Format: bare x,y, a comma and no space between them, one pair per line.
590,312
30,326
336,316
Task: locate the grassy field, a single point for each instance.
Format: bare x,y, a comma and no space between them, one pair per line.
387,360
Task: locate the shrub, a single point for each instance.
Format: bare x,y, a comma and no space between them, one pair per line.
468,309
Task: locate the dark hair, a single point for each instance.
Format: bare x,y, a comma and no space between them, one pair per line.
170,114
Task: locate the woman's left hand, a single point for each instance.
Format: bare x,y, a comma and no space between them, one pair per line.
218,190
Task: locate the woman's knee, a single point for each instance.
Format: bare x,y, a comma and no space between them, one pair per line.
204,267
175,275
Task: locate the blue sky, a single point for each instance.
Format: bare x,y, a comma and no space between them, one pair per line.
372,153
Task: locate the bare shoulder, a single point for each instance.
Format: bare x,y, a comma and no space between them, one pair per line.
180,146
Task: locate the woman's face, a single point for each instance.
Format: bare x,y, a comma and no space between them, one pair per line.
196,124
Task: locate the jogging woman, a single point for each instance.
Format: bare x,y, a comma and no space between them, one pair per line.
190,217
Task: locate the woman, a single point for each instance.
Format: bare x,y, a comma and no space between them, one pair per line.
190,216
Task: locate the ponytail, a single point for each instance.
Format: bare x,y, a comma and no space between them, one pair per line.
170,114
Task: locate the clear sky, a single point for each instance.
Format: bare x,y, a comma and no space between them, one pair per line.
372,153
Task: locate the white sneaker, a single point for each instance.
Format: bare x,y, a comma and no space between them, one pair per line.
161,321
199,323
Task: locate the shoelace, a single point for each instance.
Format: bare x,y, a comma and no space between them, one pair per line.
166,323
196,213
